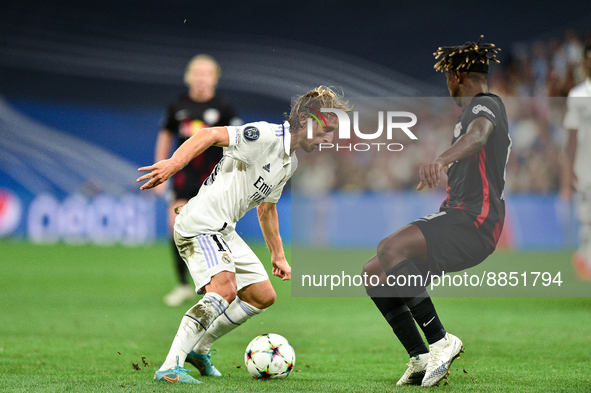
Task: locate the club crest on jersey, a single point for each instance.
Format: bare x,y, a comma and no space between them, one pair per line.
226,258
479,108
251,133
458,130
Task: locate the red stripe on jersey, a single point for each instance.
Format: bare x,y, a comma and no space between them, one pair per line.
497,231
485,188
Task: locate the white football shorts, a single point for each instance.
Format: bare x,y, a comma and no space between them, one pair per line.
209,254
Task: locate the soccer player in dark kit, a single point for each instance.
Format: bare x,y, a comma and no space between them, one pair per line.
198,108
466,229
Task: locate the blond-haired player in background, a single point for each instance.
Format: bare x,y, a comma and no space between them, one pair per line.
199,107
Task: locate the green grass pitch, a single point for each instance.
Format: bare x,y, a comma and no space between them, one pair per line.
76,319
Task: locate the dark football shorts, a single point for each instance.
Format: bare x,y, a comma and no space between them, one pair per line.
453,242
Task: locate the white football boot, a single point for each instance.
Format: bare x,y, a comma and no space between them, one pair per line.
416,370
441,354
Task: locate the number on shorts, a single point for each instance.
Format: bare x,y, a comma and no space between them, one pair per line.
432,216
221,243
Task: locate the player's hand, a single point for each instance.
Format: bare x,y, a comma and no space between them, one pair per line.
430,174
159,173
281,269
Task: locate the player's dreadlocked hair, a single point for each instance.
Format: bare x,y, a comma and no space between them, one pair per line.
314,100
470,57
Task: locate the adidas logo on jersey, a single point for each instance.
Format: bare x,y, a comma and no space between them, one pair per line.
267,167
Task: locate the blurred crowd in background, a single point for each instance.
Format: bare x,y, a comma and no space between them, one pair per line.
533,79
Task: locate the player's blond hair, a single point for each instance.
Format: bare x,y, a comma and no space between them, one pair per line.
320,97
198,58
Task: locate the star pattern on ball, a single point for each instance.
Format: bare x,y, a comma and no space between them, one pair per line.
289,367
265,374
274,350
249,355
269,356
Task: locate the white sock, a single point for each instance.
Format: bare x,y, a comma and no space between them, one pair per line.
193,326
235,315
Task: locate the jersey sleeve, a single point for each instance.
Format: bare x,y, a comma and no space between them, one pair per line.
250,141
486,107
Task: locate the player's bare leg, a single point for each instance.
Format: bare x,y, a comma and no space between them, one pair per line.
261,294
223,284
406,243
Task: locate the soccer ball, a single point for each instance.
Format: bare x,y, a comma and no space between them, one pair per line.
269,356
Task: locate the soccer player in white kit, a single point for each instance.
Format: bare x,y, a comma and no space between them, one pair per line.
258,160
577,121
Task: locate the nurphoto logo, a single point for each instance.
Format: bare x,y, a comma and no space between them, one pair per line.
395,120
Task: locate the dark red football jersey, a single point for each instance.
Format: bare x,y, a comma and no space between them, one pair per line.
476,184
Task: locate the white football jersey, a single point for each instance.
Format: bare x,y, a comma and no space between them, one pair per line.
254,169
578,117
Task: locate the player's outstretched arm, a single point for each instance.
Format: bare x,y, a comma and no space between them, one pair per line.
269,222
470,143
197,144
164,142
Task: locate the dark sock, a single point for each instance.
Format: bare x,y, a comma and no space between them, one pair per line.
424,313
400,319
181,267
417,299
406,279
